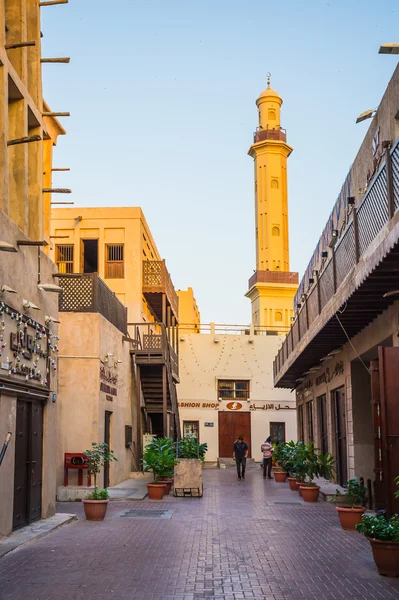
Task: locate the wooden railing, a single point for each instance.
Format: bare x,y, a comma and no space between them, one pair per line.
365,223
273,277
152,338
86,292
279,134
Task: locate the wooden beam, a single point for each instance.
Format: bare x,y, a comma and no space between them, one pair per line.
53,2
62,203
138,419
64,60
24,140
61,169
19,45
164,402
56,191
56,114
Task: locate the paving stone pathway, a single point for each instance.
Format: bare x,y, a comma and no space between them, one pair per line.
252,539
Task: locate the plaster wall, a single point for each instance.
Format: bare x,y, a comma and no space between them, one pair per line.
189,315
19,270
87,339
110,225
203,362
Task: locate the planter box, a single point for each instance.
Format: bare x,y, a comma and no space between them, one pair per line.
188,477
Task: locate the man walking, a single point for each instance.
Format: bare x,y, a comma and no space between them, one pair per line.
240,453
267,450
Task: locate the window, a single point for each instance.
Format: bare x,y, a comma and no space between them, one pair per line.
271,114
233,390
274,184
89,259
191,429
114,266
64,258
277,432
275,230
279,316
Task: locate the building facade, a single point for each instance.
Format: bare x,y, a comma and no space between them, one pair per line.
28,304
341,354
272,286
226,390
189,314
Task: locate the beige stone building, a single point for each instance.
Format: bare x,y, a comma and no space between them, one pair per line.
28,309
341,354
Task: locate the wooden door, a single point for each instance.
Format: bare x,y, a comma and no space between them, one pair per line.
107,438
323,424
231,425
389,393
339,414
28,463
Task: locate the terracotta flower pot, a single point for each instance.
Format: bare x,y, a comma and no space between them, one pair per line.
276,468
168,485
386,557
95,509
298,486
156,491
279,476
350,516
310,493
292,483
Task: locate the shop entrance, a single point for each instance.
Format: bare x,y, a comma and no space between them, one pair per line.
28,463
107,440
231,425
339,422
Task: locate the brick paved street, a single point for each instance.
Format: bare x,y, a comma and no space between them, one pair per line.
235,543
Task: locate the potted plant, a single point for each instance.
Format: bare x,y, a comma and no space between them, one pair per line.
166,466
96,504
158,457
350,504
279,474
311,465
190,455
289,463
383,536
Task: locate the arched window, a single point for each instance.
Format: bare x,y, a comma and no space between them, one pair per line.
279,316
275,230
275,184
271,115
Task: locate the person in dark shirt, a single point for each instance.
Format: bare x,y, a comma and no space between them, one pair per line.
240,453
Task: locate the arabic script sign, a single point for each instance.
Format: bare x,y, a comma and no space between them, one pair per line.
234,405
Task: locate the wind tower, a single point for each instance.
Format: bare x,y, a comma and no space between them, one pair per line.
272,286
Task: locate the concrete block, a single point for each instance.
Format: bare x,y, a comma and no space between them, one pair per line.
188,474
73,493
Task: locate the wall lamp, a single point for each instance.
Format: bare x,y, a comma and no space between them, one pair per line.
49,320
298,305
391,48
216,340
311,280
6,289
50,287
108,357
351,201
117,362
315,272
324,254
334,238
6,247
367,114
292,319
303,297
29,305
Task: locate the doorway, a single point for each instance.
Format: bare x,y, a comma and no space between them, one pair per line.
339,420
89,256
107,440
323,424
277,432
28,463
231,425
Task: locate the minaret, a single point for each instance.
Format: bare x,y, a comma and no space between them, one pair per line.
273,286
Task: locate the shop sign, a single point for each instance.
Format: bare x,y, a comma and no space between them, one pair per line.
271,407
28,350
208,424
234,405
108,381
214,405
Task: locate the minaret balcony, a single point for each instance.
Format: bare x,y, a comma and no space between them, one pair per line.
277,277
279,134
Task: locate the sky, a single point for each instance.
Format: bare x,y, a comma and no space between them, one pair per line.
162,100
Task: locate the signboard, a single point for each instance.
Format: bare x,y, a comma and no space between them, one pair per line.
28,350
208,424
108,383
234,405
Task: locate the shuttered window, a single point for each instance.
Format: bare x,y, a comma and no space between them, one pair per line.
114,261
64,258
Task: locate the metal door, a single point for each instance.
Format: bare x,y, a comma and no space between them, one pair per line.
107,437
339,413
28,463
231,425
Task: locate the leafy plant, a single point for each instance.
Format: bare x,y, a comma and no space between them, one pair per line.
289,455
308,464
278,453
159,457
354,495
377,527
397,483
97,457
98,495
191,448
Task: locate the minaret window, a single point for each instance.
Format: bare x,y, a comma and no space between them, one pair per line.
275,230
271,115
274,184
279,316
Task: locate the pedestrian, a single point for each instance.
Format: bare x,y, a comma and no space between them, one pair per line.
240,453
267,449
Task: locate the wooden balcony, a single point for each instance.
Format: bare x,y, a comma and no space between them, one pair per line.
279,135
151,346
284,277
158,289
350,290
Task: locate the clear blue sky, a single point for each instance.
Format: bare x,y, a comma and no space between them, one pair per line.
162,100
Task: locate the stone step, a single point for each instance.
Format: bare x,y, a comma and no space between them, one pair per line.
230,462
